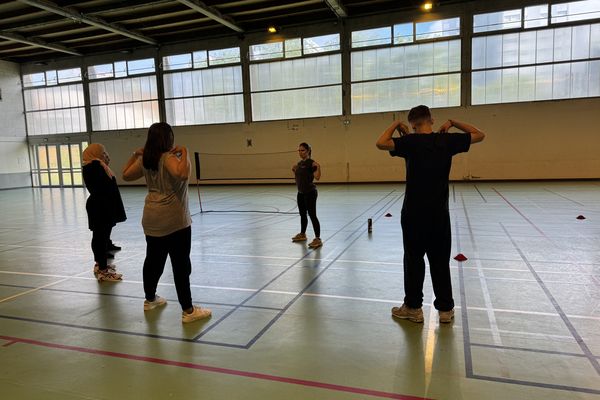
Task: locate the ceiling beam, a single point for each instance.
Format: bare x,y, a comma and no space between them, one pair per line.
337,7
37,43
88,19
211,13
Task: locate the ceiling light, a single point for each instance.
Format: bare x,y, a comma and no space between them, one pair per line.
427,6
272,29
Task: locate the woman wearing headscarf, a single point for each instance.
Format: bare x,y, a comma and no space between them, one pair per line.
166,219
104,208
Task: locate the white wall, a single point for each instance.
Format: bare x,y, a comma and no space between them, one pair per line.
14,156
544,140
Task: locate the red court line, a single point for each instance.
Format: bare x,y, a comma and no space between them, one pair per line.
226,371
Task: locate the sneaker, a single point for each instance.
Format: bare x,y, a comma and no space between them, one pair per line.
157,302
405,312
446,316
110,267
301,237
197,314
113,247
316,243
108,276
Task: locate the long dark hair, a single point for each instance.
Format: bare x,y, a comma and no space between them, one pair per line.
160,140
307,147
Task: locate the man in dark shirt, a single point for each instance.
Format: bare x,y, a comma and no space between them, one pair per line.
425,217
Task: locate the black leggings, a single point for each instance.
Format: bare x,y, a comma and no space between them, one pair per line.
177,246
307,202
100,241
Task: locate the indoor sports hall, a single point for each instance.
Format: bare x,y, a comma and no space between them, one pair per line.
244,84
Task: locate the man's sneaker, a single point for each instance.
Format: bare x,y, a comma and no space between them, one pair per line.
108,276
316,243
157,302
113,247
110,267
197,314
301,237
446,316
405,312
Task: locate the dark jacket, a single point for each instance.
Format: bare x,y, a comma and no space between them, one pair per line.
104,206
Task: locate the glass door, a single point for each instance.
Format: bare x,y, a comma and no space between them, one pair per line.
57,165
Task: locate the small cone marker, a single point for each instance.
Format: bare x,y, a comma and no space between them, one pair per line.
460,257
388,215
580,217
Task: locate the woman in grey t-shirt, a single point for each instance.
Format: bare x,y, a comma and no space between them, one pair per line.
166,219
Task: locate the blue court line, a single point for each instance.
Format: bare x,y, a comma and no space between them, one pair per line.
259,290
121,332
127,296
313,280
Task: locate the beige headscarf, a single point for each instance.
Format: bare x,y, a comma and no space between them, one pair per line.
94,152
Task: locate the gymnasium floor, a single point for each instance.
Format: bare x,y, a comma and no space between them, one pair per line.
289,323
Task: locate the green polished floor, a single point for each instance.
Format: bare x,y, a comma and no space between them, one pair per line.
290,323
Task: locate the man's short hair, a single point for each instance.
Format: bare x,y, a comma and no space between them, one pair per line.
419,113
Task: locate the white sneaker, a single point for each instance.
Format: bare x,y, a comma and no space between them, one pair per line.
197,314
108,276
111,268
157,302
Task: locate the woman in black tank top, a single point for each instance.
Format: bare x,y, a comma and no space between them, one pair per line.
305,172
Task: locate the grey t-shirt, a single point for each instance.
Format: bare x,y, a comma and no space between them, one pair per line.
166,207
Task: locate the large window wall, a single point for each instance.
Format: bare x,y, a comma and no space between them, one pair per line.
304,81
537,62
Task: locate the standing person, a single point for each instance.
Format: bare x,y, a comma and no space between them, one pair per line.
305,172
166,219
425,218
104,208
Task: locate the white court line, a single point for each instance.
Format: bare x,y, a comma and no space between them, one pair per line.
39,288
309,294
535,334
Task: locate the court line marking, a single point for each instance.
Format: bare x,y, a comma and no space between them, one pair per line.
553,352
218,370
564,197
263,287
586,350
483,198
535,384
35,289
464,313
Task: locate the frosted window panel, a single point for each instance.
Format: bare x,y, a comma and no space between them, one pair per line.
493,51
356,68
50,98
111,111
453,90
60,122
561,81
440,57
178,61
136,89
186,80
527,41
110,91
426,59
384,65
121,119
543,82
495,21
403,33
575,11
510,49
356,98
138,114
439,28
536,16
579,79
200,59
581,42
127,90
312,71
370,65
545,46
440,91
396,62
140,66
595,40
478,52
594,78
312,102
411,60
372,37
510,85
493,86
384,94
426,90
293,48
454,59
320,44
266,51
562,44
